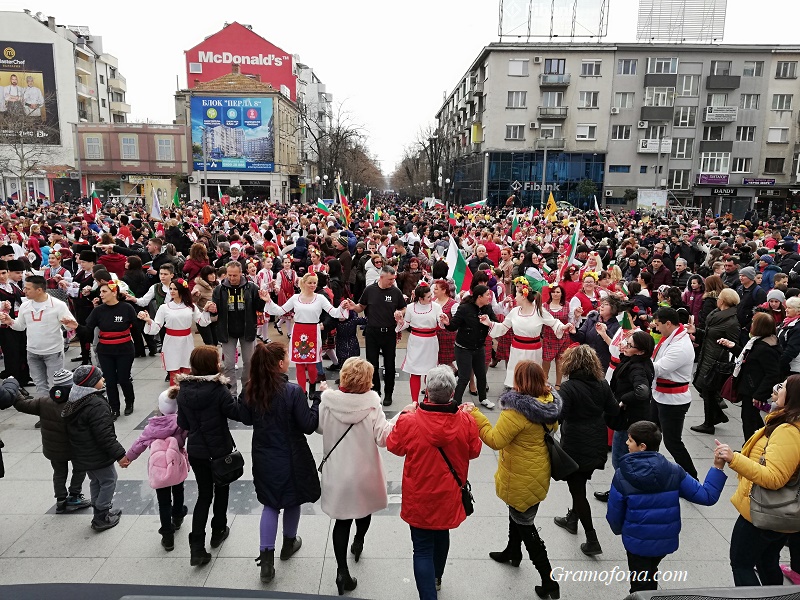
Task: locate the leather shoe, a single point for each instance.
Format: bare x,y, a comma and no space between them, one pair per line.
702,428
602,496
77,359
387,401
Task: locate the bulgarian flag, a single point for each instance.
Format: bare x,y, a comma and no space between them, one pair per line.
514,225
572,246
626,322
344,206
457,267
95,204
375,216
176,199
323,208
368,201
451,218
480,204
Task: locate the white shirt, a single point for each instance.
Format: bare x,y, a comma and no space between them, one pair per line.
42,321
673,361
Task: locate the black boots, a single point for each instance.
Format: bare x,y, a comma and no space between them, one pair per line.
290,547
345,583
128,408
266,560
167,538
178,521
105,519
570,522
592,546
197,546
357,548
217,537
538,555
513,551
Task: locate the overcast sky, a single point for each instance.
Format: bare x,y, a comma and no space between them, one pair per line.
389,62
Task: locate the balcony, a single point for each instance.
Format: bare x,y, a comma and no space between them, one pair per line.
83,66
83,90
478,89
554,79
118,83
120,107
648,146
723,82
720,114
656,113
553,112
84,115
551,143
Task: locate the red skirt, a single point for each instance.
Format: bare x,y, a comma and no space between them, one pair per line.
305,337
447,346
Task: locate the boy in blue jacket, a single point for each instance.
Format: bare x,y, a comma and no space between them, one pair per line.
644,507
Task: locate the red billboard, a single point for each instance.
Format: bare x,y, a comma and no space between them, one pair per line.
236,44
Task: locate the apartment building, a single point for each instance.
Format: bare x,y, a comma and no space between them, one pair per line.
716,125
315,109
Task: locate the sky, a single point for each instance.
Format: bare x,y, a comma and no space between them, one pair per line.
389,63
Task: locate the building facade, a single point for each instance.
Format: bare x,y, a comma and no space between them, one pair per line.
315,105
715,125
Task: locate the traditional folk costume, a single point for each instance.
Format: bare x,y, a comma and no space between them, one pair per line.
422,350
554,346
447,339
177,320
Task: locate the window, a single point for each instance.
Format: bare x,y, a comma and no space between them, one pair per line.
619,168
165,151
742,165
656,132
517,67
778,135
746,133
588,99
720,67
590,68
659,96
678,179
773,165
552,99
643,169
586,132
715,162
102,79
94,149
130,149
749,101
620,132
515,132
516,99
718,100
682,147
550,131
753,68
554,66
103,102
623,99
713,132
688,85
662,65
685,116
786,70
626,66
781,102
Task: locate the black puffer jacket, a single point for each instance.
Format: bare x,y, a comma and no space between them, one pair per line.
93,441
55,438
632,385
760,370
204,406
719,324
8,393
284,471
252,303
584,435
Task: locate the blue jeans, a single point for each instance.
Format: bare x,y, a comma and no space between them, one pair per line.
618,447
755,549
430,556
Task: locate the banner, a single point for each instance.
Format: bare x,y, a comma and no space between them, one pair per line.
28,99
237,134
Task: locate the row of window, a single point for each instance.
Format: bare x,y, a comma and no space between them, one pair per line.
518,67
654,96
744,133
130,148
680,179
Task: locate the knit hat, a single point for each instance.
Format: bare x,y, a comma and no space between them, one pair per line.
748,272
776,295
663,290
766,258
62,377
167,405
62,382
87,376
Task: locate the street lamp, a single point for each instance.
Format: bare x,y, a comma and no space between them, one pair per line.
447,186
317,181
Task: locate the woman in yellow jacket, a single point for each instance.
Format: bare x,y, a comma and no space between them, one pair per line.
523,471
778,443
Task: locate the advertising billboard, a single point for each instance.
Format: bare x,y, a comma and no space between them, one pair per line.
28,98
235,133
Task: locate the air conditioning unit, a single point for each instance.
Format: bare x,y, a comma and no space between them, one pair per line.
537,60
73,175
192,179
609,193
533,125
123,177
641,125
614,110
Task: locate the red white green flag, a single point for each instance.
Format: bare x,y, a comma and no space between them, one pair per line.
514,225
96,204
457,267
569,251
451,218
368,201
323,208
375,216
480,204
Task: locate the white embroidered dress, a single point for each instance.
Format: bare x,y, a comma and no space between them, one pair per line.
178,344
306,335
422,350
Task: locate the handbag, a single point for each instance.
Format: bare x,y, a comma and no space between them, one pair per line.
728,390
466,489
776,510
562,465
325,458
226,469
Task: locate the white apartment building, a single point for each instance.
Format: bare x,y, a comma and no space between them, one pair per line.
315,102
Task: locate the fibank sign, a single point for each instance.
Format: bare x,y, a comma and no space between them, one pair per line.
222,58
537,187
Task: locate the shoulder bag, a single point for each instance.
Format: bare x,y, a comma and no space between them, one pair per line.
562,465
325,458
776,510
226,469
466,489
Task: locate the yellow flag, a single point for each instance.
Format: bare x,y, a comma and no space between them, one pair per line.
550,209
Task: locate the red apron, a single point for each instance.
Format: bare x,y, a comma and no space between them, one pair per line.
304,343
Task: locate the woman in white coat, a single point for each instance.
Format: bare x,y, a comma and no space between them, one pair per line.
353,426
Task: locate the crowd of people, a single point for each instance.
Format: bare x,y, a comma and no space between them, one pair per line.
631,310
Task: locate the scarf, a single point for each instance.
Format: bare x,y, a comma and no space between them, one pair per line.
743,355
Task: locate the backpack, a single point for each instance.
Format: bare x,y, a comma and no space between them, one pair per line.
168,464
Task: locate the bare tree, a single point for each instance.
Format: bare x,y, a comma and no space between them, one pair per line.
430,142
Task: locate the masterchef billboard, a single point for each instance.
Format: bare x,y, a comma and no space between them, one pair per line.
236,44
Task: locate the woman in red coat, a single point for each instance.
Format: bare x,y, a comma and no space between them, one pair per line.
431,509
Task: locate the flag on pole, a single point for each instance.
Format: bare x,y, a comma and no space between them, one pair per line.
570,250
206,213
322,207
344,206
95,204
514,225
368,201
457,267
596,207
176,199
451,218
375,216
531,214
550,209
626,322
480,204
156,212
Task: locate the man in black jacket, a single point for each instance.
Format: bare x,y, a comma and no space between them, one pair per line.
788,256
93,442
236,302
751,296
153,254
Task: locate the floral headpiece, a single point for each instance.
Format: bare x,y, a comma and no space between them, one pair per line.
422,284
112,285
56,254
591,274
520,280
525,290
181,281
